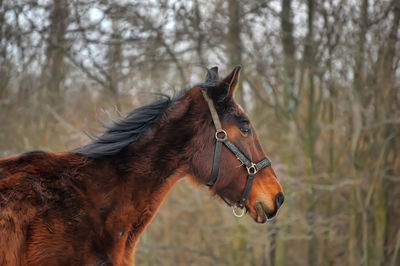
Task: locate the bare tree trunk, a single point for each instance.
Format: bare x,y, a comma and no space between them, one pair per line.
240,245
358,84
289,61
332,102
114,62
331,167
385,93
392,238
200,35
279,244
55,68
359,74
310,139
4,64
234,43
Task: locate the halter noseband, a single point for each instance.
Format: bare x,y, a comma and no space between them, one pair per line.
222,137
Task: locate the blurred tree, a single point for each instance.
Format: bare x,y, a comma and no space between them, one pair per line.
234,41
55,70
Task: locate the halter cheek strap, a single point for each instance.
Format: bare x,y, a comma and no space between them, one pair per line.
222,138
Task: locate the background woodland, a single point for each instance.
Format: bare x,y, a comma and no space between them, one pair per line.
320,80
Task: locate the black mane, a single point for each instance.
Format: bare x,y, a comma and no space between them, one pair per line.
121,134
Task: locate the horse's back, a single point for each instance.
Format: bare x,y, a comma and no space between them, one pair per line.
27,162
30,186
15,209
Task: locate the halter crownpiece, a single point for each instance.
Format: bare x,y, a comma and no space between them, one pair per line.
222,137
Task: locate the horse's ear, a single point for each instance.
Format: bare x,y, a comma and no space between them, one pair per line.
212,74
230,83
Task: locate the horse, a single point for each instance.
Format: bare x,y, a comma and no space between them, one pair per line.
90,205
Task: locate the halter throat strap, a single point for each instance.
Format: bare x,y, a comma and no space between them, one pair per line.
222,138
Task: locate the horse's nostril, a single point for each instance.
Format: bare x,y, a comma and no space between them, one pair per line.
279,199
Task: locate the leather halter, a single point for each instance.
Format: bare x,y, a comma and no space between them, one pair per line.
222,137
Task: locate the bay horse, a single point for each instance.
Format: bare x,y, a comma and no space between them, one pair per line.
89,206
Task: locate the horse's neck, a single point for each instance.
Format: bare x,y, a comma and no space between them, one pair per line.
143,177
147,200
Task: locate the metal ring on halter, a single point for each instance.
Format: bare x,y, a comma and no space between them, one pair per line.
234,208
252,169
221,131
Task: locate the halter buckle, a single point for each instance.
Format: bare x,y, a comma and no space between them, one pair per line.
238,214
252,169
221,131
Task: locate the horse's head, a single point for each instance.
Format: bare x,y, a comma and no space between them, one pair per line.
250,182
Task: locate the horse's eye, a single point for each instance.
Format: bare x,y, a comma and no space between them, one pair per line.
245,130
